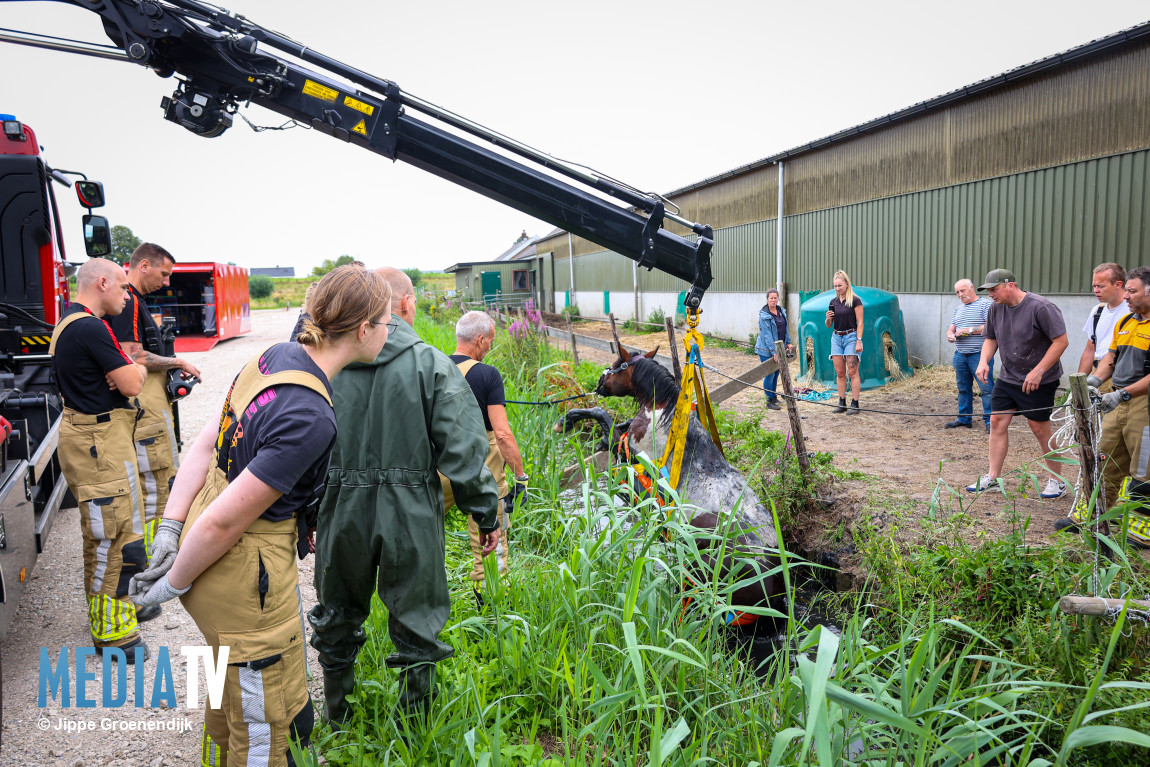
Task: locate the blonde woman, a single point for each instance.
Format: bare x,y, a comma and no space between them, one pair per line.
845,319
227,545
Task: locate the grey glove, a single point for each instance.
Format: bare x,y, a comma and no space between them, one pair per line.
1110,400
165,546
1094,381
155,593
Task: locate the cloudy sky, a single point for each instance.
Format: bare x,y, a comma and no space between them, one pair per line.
658,95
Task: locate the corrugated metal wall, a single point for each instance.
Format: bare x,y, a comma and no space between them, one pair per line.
1093,107
1049,226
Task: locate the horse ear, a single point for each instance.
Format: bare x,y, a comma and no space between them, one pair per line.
651,354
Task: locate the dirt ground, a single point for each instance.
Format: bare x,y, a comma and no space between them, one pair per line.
910,453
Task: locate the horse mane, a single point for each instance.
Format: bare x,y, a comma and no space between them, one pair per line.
653,383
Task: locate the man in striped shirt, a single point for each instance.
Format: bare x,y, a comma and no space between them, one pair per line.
965,332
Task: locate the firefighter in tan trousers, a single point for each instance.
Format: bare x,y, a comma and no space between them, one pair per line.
157,455
228,541
474,336
97,451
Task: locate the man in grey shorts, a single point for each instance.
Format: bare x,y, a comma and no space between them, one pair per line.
1029,334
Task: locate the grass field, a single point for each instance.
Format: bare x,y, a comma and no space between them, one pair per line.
291,290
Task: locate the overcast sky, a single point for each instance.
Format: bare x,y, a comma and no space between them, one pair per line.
659,95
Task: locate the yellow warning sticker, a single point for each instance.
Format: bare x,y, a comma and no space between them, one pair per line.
358,105
360,128
321,92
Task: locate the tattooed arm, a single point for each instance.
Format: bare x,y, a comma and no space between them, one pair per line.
155,362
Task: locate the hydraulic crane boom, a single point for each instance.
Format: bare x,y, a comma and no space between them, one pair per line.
225,60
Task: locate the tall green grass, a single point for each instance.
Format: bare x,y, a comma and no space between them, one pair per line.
586,654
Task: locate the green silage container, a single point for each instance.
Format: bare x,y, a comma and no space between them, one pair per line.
884,338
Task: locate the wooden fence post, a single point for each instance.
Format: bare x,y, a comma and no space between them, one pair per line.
1088,460
793,410
674,350
574,346
615,335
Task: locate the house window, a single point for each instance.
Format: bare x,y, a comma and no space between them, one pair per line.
519,279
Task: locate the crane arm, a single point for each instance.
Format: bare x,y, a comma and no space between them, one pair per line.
224,61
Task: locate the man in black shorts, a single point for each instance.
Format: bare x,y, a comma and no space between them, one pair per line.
1030,333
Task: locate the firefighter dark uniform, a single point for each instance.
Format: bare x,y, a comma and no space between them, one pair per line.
156,453
249,598
99,461
498,469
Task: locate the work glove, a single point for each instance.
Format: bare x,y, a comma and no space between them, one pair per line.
165,546
1094,381
154,593
518,490
1110,400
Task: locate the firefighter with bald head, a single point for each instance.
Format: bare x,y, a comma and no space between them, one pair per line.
97,452
157,454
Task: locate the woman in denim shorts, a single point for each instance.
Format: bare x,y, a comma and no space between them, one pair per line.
845,319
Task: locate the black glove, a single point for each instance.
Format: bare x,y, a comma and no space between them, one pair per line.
518,490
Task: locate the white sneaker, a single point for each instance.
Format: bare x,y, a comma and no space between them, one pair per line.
1054,488
985,482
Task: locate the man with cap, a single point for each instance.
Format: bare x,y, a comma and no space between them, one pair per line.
1030,333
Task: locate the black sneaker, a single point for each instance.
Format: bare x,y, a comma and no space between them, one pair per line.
955,424
773,404
1066,525
148,613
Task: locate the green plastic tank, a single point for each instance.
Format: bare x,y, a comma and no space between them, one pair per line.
884,338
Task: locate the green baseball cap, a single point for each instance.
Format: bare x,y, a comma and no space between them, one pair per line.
997,277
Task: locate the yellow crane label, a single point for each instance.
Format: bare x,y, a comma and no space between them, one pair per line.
321,92
359,106
360,128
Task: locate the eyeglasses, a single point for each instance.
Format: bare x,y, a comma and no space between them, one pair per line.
392,324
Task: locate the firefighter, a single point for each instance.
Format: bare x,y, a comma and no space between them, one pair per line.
136,330
474,336
96,451
228,539
381,521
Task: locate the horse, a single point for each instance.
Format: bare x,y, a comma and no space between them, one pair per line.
715,490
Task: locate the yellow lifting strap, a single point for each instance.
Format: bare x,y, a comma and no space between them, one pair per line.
693,383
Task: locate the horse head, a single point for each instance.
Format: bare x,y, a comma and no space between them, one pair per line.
640,377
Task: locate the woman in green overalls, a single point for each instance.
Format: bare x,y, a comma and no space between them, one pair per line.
232,516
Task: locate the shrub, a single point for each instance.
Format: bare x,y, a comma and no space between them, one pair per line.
571,311
415,275
260,286
656,317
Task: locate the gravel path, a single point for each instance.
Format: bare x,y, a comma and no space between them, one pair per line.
52,616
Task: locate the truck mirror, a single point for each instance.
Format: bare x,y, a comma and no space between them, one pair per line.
90,193
97,236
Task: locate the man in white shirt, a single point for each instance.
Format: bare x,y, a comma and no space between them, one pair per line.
1108,283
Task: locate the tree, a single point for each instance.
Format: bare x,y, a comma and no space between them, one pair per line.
415,276
328,265
260,286
123,243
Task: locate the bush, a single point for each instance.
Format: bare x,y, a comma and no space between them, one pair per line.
415,276
656,317
260,286
571,311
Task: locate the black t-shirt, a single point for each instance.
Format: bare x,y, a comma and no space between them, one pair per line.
845,315
285,436
486,384
136,324
85,352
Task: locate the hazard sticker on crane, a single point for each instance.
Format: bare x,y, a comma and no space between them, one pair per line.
359,106
360,128
321,92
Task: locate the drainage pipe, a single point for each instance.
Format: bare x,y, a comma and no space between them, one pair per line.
779,236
